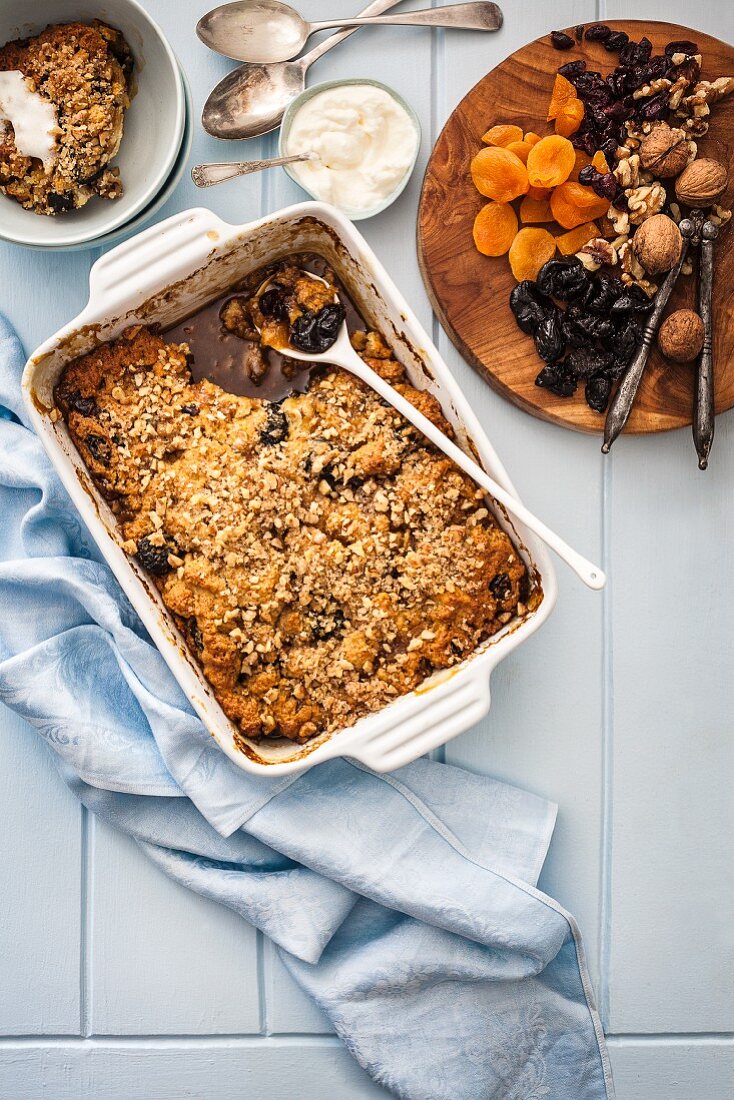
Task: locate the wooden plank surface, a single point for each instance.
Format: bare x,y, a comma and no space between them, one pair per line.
611,710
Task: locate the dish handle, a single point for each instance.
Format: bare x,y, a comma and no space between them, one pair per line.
429,722
139,266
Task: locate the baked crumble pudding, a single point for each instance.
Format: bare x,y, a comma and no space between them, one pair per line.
320,557
84,72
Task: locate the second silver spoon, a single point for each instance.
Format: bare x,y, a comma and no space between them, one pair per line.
207,175
268,31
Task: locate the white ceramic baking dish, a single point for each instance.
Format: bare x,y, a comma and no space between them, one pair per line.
166,273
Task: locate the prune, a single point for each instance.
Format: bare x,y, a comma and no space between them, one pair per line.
501,587
561,41
60,203
273,303
549,340
603,292
598,32
154,558
626,340
587,362
581,327
276,427
100,449
565,279
557,380
688,48
194,633
634,300
315,333
190,410
572,68
597,391
616,40
85,406
327,624
529,306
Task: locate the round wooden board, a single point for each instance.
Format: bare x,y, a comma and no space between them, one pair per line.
470,292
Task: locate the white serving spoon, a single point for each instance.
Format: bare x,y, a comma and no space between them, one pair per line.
342,354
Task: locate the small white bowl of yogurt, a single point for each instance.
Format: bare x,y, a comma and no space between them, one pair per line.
365,139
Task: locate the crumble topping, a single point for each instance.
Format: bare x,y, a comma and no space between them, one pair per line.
319,555
84,71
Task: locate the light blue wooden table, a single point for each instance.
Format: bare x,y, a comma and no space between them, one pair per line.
116,984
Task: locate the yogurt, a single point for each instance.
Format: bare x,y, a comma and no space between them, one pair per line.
365,144
33,118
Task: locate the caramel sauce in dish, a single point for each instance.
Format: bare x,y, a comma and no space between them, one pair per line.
233,363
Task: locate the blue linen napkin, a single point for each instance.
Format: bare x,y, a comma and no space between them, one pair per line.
405,905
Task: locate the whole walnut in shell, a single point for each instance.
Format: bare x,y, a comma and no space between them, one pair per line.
681,336
657,244
664,151
701,183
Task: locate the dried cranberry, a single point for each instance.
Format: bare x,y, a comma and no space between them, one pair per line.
598,32
154,558
586,141
616,40
276,427
588,174
501,587
273,303
572,68
606,186
635,53
560,40
609,147
100,449
598,390
654,108
688,48
578,32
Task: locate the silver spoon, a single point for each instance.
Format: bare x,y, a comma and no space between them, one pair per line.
251,100
207,175
342,354
268,31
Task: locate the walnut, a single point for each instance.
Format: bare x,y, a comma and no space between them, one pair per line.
620,220
653,88
657,244
597,252
645,201
664,151
701,183
719,215
705,93
627,172
681,336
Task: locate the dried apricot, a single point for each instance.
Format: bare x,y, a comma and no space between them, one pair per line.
499,174
540,192
532,138
570,118
535,210
573,204
495,227
600,162
563,93
502,135
531,249
582,159
551,161
521,149
571,242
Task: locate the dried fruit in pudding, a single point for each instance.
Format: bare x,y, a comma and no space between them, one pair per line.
84,71
499,174
531,249
495,227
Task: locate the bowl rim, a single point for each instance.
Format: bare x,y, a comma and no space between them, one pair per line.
31,239
315,89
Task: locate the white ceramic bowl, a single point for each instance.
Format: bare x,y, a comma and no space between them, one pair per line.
154,124
293,109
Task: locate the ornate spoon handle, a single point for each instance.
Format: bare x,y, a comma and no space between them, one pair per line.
703,409
208,175
622,402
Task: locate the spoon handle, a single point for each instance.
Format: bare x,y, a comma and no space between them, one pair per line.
703,408
377,7
207,175
475,16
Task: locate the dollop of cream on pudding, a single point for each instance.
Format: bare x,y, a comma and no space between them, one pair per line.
365,144
33,118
